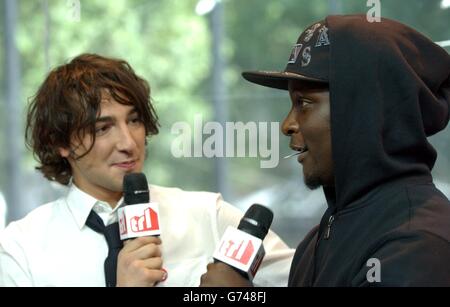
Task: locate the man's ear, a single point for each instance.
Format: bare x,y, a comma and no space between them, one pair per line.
64,152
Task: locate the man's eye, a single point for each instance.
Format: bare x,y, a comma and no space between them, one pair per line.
306,102
102,129
136,120
303,102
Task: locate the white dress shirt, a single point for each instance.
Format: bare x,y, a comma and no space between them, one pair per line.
51,246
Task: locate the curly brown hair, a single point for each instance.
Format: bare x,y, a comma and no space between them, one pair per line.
67,104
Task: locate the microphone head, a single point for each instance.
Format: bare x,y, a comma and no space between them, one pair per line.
135,189
256,221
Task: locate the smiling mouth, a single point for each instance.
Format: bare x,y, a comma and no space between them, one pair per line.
126,165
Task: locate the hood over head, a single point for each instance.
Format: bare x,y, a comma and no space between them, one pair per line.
389,90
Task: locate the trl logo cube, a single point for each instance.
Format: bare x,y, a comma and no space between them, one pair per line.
241,251
138,221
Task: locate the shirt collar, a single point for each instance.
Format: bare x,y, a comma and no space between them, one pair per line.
80,205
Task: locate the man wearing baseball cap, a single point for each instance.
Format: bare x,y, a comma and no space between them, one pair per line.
365,97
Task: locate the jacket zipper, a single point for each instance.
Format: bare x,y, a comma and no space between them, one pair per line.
319,236
328,231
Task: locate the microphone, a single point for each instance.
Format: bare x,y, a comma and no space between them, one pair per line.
242,248
138,217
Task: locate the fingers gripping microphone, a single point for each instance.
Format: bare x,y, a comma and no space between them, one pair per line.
138,217
242,248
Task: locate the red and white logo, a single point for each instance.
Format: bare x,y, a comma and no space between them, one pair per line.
146,222
240,250
258,259
139,220
122,223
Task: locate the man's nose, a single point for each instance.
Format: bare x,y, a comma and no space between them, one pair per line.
290,124
126,141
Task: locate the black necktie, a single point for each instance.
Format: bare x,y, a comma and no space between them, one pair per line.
111,233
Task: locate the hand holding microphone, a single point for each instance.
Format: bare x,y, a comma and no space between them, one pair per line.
139,262
240,252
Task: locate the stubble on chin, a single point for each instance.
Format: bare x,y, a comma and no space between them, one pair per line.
312,182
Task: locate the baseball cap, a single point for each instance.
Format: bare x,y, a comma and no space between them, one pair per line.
308,61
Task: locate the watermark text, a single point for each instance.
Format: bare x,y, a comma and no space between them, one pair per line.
233,139
374,13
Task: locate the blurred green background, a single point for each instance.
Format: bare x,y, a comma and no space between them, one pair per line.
192,53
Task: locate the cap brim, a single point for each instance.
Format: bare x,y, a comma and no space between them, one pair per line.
276,79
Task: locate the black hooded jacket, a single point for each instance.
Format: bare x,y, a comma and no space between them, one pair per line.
386,223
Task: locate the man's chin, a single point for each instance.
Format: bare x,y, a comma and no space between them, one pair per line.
117,181
116,187
115,184
312,182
